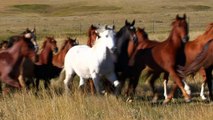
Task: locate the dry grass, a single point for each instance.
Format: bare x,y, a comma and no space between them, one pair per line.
63,18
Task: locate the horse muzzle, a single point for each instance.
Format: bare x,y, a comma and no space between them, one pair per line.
185,39
56,50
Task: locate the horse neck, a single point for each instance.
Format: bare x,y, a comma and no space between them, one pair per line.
174,39
46,56
100,49
15,50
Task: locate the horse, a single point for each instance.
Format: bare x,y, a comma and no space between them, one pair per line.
191,50
58,59
126,41
99,60
163,57
26,71
92,35
44,69
11,58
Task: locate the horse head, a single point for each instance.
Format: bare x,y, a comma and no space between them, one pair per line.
106,34
28,48
141,33
69,42
31,35
92,35
4,44
51,44
180,27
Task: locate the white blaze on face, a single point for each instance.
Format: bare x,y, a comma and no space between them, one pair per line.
28,35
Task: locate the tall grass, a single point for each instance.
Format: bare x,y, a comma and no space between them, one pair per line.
63,18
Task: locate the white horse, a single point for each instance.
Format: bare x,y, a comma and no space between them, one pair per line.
95,62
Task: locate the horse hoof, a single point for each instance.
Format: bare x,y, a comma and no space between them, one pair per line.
166,101
187,100
129,100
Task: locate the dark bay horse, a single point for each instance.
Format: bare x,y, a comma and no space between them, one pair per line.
11,58
58,59
44,69
163,56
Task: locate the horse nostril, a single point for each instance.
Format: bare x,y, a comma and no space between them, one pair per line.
114,49
56,49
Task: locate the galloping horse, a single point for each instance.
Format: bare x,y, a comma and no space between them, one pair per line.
11,58
58,59
92,35
163,56
191,50
26,72
99,60
44,69
126,41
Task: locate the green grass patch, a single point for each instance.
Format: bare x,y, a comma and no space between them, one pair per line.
199,7
32,8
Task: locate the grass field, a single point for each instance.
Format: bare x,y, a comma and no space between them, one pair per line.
62,18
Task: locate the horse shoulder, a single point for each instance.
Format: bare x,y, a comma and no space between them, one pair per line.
6,57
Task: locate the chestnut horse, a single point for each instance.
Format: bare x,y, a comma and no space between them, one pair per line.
163,56
44,69
203,60
193,49
92,35
58,59
11,58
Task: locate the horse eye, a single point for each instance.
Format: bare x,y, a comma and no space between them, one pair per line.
107,36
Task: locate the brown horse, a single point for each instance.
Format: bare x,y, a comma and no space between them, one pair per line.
202,61
92,35
11,58
192,49
58,59
163,56
44,69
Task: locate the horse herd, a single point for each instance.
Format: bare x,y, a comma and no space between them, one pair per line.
109,59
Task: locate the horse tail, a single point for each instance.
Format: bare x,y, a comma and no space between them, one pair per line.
62,75
203,59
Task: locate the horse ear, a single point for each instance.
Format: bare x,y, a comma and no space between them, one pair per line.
133,23
113,27
177,17
126,22
184,16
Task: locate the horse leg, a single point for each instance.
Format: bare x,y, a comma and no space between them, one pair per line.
37,84
202,71
152,84
5,78
68,80
178,83
47,84
113,79
209,81
165,83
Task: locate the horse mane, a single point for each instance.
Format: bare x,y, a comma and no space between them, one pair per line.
202,59
209,27
64,44
45,42
92,27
